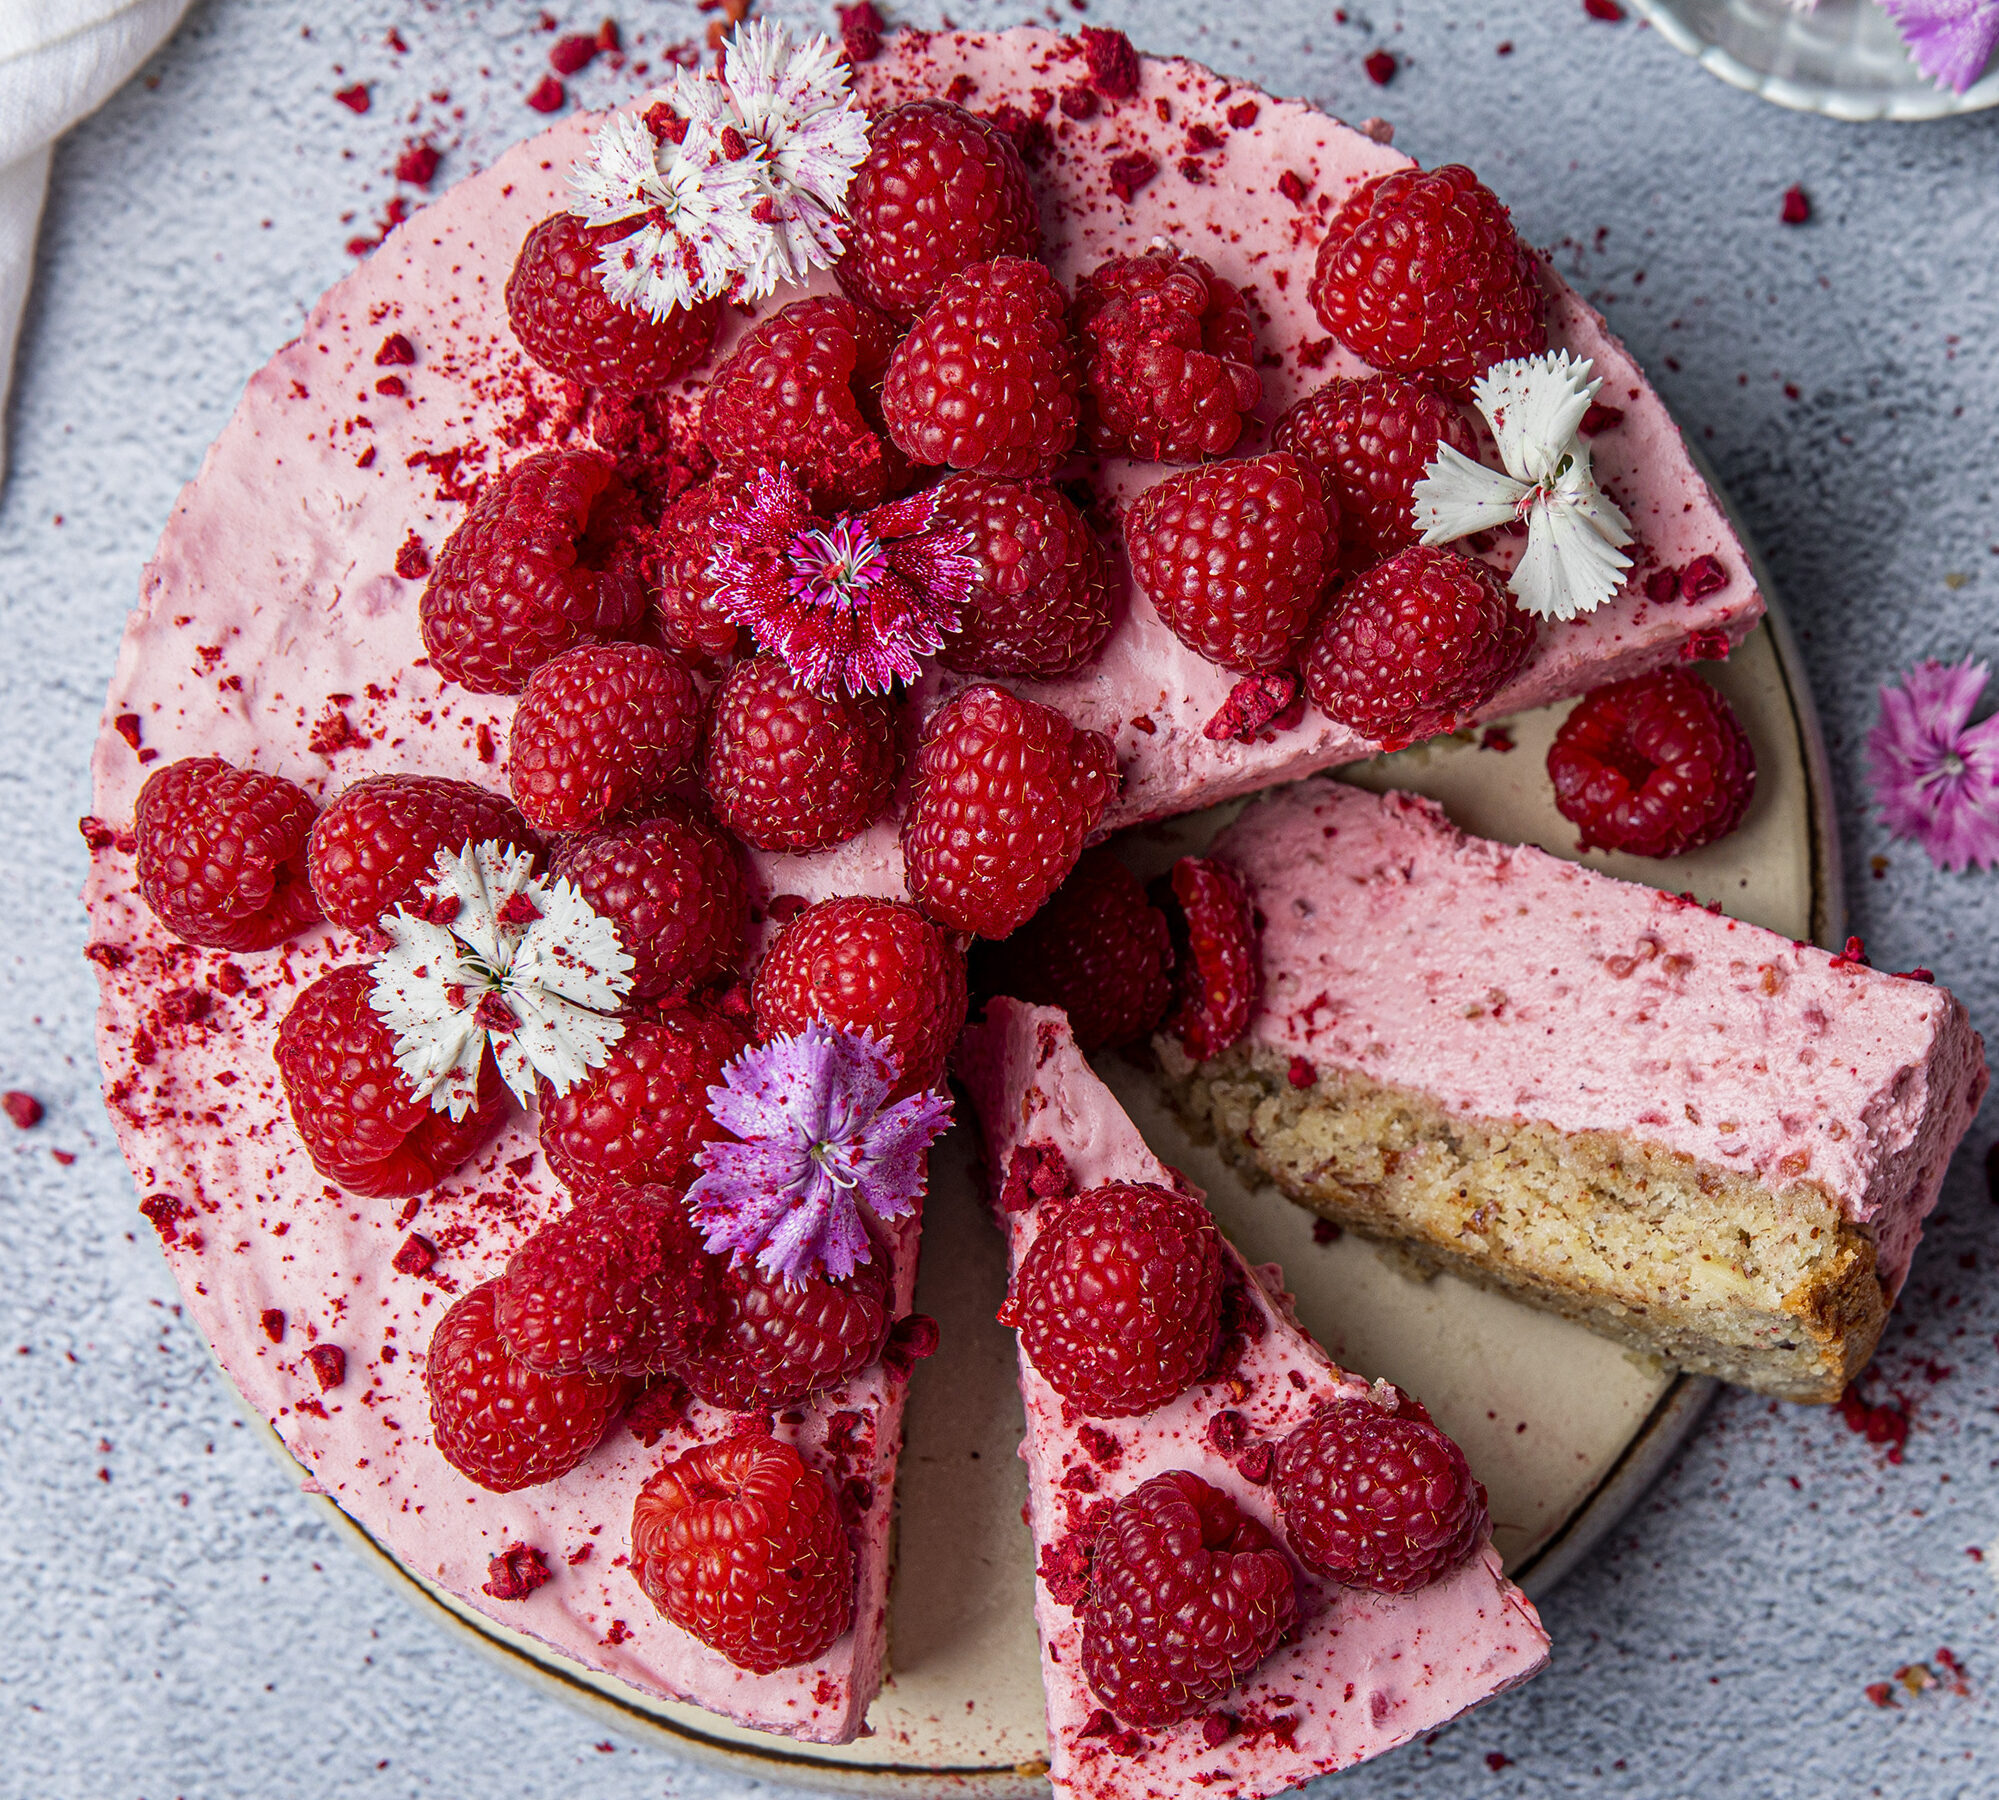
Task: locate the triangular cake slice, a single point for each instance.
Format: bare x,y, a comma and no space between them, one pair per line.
1362,1672
1679,1129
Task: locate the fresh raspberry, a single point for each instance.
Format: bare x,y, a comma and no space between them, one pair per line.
362,1125
222,854
1377,1499
673,886
686,598
740,1544
637,1119
1005,793
1235,556
803,392
776,1341
1168,356
496,1420
863,964
1187,1595
1216,980
600,728
939,191
1120,1297
618,1285
1421,271
1099,950
1040,604
377,843
1415,646
986,380
789,769
1370,442
1655,766
566,321
546,558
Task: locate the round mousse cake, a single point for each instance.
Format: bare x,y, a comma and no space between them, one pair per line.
282,629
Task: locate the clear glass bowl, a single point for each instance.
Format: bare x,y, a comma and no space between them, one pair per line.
1845,59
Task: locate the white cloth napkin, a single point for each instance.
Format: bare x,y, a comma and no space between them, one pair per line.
59,59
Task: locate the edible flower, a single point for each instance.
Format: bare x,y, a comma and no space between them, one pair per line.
1936,775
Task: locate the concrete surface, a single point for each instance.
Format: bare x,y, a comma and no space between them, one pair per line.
173,1621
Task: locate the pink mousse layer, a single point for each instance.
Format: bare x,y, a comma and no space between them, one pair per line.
272,606
1365,1671
1506,983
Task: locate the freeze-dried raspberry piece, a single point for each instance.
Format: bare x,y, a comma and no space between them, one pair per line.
803,392
1041,604
1168,356
1214,934
565,320
221,854
1656,766
600,728
986,379
790,769
940,189
776,1341
549,556
1421,271
361,1123
1005,793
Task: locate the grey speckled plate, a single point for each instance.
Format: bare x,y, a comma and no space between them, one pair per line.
1844,59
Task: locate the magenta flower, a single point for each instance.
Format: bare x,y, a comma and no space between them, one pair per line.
850,606
1936,776
1950,40
818,1149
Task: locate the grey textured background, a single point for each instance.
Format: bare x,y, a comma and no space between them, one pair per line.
174,1621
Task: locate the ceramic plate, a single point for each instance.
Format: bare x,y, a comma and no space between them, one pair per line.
1844,59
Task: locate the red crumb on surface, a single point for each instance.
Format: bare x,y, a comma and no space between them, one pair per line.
1885,1424
1112,61
1130,172
860,31
354,98
1796,207
273,1322
24,1109
329,1365
1380,66
395,352
417,164
515,1573
417,1256
547,95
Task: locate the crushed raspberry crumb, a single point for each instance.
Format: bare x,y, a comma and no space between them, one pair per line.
23,1109
515,1573
1797,206
395,352
1113,63
1037,1172
417,1256
354,98
1703,576
547,95
329,1365
273,1321
1597,418
412,559
1380,66
1609,11
417,165
860,31
1300,1073
1258,708
1130,172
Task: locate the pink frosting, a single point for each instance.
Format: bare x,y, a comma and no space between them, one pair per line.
1507,983
1365,1671
272,604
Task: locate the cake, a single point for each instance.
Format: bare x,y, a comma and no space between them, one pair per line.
1679,1129
278,630
1364,1671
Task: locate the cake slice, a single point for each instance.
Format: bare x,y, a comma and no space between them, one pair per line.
1362,1671
1679,1129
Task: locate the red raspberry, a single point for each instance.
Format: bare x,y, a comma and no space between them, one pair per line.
1041,603
987,380
1119,1300
572,327
673,885
939,191
1187,1595
1235,556
1655,766
1377,1499
1415,646
1216,981
803,392
1370,442
637,1119
618,1285
740,1544
1168,356
789,769
868,965
1099,950
377,843
1005,793
600,728
691,618
222,854
499,1422
1421,271
547,557
361,1124
777,1341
